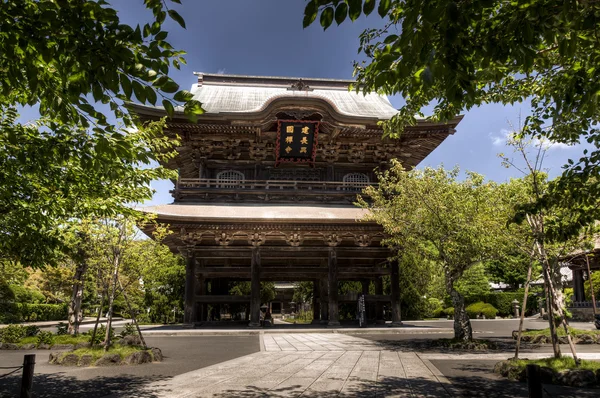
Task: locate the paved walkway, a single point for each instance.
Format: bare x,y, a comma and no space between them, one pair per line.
312,365
320,365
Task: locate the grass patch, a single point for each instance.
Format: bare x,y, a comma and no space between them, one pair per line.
27,340
558,364
98,352
561,332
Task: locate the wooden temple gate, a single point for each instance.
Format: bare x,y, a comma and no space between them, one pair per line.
267,180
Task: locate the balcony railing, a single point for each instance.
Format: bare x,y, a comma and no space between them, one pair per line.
269,190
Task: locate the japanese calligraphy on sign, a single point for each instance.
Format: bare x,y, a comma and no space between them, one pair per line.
296,141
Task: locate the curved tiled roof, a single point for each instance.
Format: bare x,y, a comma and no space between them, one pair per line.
249,94
250,212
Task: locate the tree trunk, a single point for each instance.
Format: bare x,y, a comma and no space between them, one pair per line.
75,315
98,316
133,318
554,296
462,324
523,308
111,299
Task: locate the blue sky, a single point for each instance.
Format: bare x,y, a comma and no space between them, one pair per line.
265,37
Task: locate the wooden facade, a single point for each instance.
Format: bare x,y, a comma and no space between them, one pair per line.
238,214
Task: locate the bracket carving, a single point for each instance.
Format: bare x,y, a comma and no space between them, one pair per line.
295,239
223,239
363,240
333,240
256,239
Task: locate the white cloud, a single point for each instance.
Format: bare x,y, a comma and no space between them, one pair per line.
221,71
501,138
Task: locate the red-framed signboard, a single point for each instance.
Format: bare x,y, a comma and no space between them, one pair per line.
296,141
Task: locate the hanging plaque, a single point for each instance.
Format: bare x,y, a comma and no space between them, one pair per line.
296,141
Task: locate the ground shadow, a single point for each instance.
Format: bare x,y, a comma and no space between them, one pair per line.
59,385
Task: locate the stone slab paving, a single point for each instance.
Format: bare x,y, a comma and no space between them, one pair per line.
311,365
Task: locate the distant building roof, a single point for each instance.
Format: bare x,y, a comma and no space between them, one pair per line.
249,94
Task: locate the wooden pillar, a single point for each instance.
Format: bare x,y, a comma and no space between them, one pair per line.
316,302
395,294
333,289
189,316
324,298
255,288
365,286
379,318
578,286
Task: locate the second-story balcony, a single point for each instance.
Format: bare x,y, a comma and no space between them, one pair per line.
279,191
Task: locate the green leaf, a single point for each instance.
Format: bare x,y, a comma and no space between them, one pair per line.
160,36
183,96
327,17
150,95
140,91
310,13
384,7
369,6
177,18
355,9
168,107
170,86
341,12
125,85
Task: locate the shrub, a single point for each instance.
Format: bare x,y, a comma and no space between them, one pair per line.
31,330
61,328
45,337
12,334
439,313
449,311
433,306
100,334
129,330
503,302
482,308
41,312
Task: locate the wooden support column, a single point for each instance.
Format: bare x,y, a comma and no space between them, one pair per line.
189,316
578,285
333,289
316,302
395,294
324,298
379,318
255,288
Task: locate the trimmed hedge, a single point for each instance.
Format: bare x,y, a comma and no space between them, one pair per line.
503,302
44,312
485,309
18,312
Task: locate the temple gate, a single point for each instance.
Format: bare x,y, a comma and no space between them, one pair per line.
267,180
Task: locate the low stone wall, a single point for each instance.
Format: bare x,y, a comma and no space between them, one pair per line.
591,338
109,359
582,314
570,377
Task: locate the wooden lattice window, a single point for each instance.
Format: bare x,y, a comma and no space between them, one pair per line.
229,178
356,181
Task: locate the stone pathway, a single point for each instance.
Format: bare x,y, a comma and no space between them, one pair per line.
312,365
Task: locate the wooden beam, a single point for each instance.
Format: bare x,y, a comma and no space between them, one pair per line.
222,299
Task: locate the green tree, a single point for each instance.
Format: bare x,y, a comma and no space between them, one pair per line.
474,284
511,269
459,219
555,230
458,55
86,157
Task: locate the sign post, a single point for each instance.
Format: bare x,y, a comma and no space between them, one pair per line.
296,141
